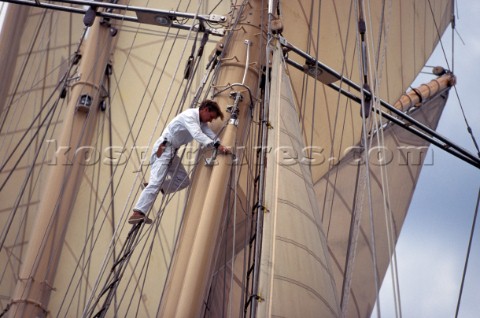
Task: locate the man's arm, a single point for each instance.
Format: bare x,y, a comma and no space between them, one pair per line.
193,126
202,133
208,131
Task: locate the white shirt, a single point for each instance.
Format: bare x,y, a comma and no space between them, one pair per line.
185,127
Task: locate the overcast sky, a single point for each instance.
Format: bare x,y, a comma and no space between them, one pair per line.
433,244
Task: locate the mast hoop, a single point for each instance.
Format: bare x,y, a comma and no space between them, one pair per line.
27,301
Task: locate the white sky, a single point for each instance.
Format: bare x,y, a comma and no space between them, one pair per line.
433,243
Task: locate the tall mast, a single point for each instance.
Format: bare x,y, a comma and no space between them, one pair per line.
37,274
193,263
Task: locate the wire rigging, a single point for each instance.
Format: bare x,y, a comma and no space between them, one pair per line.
379,51
469,128
467,258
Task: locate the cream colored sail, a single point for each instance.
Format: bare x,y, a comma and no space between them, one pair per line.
296,277
145,90
379,207
333,125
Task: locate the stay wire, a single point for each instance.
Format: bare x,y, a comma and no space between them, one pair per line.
437,30
32,139
377,133
389,219
365,186
333,171
8,224
472,232
97,174
469,128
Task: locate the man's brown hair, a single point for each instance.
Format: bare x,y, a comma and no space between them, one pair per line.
212,106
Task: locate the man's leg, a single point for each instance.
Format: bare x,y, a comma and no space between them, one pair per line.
158,172
178,177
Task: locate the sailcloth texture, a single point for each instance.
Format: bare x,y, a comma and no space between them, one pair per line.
364,205
296,279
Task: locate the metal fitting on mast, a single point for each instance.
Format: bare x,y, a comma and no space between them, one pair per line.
233,110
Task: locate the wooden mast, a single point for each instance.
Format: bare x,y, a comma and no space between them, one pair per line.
192,266
37,274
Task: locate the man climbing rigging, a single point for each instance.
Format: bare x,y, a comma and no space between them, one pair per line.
188,125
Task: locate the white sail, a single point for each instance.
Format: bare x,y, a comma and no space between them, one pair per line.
296,277
378,209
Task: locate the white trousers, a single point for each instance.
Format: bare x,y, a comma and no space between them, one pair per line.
167,174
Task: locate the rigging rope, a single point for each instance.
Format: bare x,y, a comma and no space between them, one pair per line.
469,128
48,117
380,138
364,170
373,77
472,231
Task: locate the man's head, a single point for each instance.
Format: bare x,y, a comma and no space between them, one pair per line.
209,110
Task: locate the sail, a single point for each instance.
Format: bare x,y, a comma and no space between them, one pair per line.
296,273
147,82
379,208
